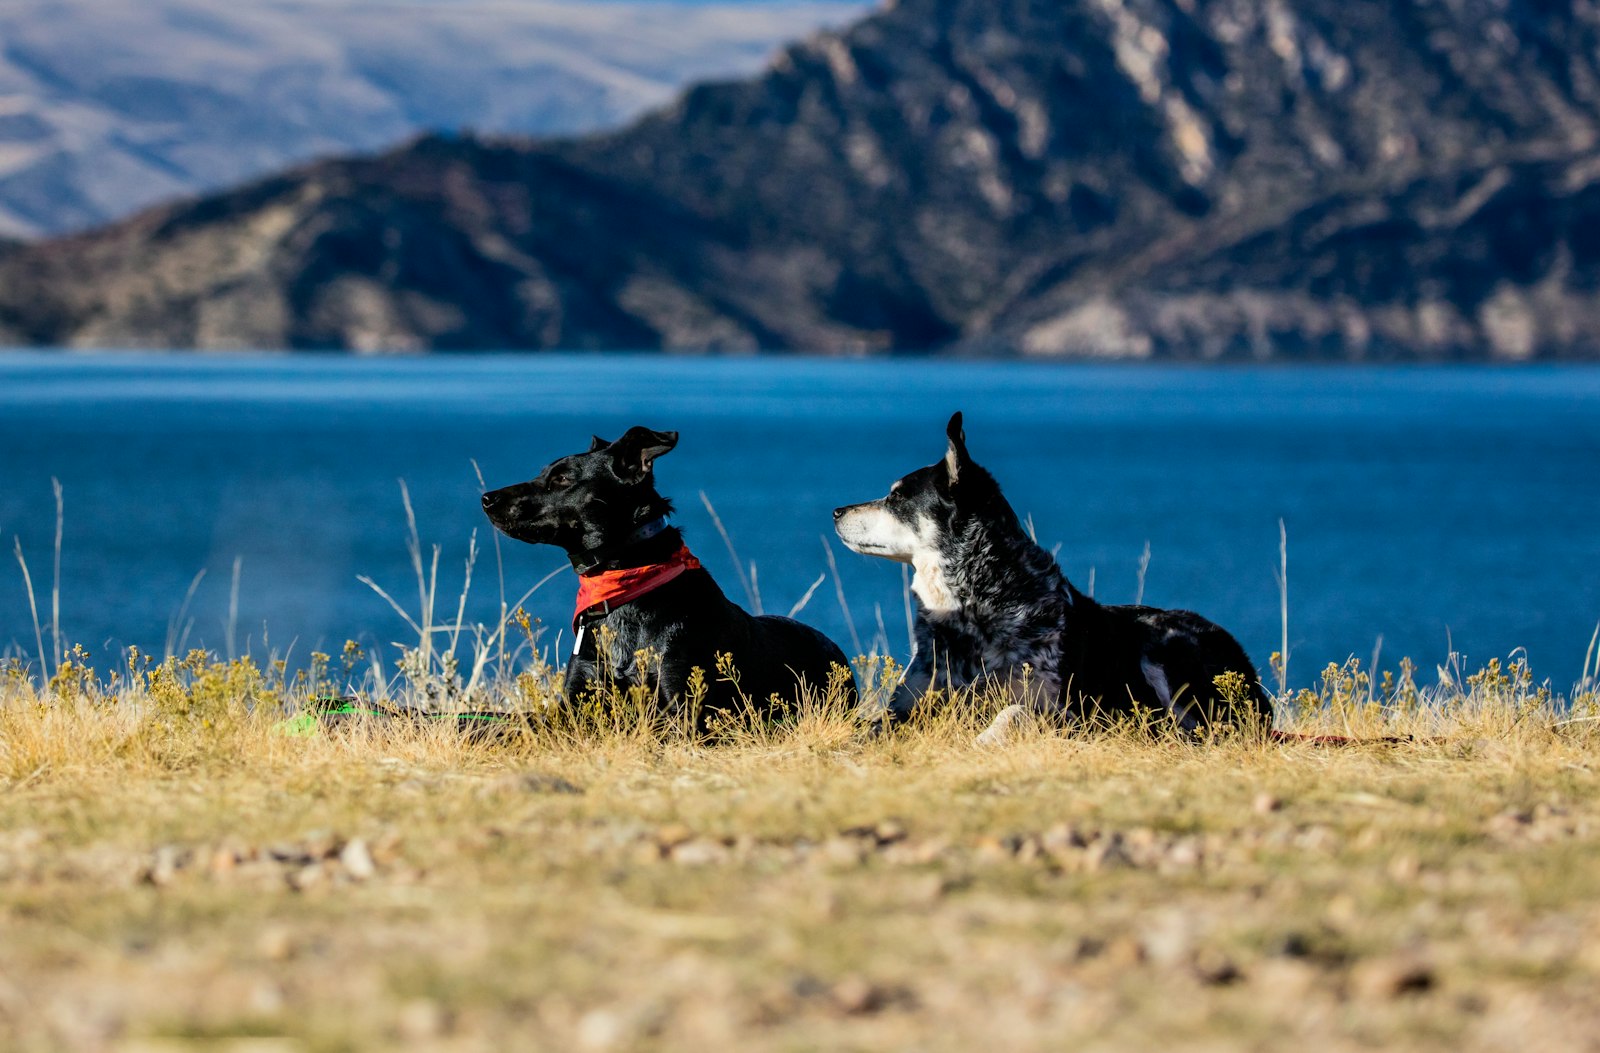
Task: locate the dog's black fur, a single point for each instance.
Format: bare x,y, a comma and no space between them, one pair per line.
593,505
991,601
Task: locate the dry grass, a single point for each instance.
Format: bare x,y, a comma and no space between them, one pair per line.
176,873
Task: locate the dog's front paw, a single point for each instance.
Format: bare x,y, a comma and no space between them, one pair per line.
1000,729
872,729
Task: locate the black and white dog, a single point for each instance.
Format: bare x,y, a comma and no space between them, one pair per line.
993,608
638,580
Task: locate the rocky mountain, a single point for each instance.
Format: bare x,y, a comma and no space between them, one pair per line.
108,106
1180,178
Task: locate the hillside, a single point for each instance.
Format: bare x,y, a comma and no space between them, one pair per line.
1154,177
108,106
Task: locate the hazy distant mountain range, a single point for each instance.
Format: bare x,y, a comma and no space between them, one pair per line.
1184,178
107,106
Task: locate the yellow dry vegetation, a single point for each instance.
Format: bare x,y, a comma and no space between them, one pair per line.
178,872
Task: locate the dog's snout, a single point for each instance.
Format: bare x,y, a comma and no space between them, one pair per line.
495,501
839,513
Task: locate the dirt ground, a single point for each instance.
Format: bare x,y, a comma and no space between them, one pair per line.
180,878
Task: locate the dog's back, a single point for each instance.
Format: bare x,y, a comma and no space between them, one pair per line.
805,654
744,660
1125,659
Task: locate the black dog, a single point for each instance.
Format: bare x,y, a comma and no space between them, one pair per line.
993,607
639,581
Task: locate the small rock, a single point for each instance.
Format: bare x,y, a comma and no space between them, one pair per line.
915,853
1404,868
781,999
422,1018
602,1029
702,851
1124,952
993,849
1215,968
1292,945
266,999
1342,910
856,995
1183,854
827,905
223,861
290,853
307,877
1513,822
1285,978
1107,853
357,860
646,852
275,943
844,851
1369,837
261,872
1141,841
530,782
386,849
1063,838
322,844
164,866
1169,937
1083,948
1391,978
1317,838
890,831
672,835
551,784
927,890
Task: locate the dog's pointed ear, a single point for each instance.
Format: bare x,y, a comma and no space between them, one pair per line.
635,453
956,457
596,444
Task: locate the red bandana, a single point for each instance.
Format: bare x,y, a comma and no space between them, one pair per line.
610,589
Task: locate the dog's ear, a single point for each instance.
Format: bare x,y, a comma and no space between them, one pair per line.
956,457
596,444
635,453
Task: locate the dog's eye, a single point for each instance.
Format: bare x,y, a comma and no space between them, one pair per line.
559,480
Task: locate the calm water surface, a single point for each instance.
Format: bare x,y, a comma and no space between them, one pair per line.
1425,508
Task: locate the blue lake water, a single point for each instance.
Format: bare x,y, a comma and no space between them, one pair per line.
1428,507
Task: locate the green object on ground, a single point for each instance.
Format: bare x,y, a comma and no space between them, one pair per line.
301,725
330,710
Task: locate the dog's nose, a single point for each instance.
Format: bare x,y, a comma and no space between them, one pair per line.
838,513
490,500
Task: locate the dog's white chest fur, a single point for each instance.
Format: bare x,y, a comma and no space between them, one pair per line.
931,587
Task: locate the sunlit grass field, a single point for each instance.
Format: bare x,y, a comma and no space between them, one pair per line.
182,869
191,859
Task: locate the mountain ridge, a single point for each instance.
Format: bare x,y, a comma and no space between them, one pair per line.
108,106
1149,178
